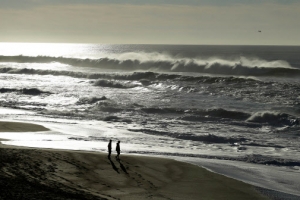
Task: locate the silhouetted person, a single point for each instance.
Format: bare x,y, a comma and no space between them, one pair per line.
109,149
118,150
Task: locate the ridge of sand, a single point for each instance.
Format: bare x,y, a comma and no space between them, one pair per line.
20,127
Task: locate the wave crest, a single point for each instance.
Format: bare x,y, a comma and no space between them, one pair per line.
145,78
166,63
91,100
29,91
274,118
209,138
211,114
113,84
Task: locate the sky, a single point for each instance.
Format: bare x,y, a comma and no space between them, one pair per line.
216,22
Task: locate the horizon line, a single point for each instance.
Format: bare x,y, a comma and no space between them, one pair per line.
166,44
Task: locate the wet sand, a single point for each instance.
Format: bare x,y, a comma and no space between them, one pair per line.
31,173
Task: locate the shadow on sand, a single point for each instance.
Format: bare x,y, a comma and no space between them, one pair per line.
122,167
114,166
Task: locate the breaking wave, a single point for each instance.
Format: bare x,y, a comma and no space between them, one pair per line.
269,160
145,78
202,115
91,100
274,118
166,63
114,84
163,110
30,91
108,106
209,138
268,117
199,115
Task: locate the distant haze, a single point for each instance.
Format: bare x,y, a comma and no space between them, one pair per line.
249,22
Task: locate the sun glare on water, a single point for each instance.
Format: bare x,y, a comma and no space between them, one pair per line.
40,49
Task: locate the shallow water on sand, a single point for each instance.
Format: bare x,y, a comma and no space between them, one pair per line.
279,178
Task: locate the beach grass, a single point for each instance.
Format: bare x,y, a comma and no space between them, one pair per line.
31,173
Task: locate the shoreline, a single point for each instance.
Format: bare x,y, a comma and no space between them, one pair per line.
91,175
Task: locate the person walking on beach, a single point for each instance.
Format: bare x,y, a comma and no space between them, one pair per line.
109,149
118,150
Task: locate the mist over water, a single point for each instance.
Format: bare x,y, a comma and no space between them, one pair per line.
238,103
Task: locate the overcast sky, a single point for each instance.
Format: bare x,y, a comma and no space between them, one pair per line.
151,21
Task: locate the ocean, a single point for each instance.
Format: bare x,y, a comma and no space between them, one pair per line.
234,106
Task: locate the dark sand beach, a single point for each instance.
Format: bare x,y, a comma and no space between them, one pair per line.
31,173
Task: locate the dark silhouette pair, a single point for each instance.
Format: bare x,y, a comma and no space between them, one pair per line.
118,149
